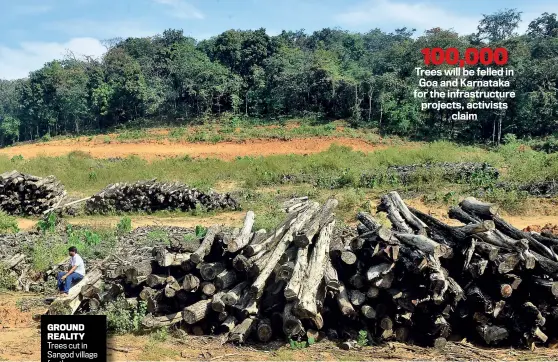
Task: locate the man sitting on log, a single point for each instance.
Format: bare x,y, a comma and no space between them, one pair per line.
72,276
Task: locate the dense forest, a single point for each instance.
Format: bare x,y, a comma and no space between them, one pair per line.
365,78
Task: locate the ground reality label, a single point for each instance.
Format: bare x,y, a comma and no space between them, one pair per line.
73,338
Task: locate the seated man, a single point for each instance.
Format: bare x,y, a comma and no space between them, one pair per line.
74,275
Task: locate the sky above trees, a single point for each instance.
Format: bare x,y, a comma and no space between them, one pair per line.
37,31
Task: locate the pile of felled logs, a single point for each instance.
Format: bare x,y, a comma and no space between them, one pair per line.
22,194
410,278
150,196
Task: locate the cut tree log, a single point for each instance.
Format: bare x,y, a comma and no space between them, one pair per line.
205,246
244,237
241,332
197,311
292,290
304,236
306,305
476,207
150,321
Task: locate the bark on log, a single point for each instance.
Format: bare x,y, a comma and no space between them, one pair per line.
476,207
190,283
241,332
304,236
244,237
225,279
292,290
209,271
405,212
154,280
264,330
394,215
162,321
424,244
330,276
197,311
205,247
306,305
233,296
291,324
344,304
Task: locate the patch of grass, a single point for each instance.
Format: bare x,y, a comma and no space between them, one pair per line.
160,334
8,223
155,237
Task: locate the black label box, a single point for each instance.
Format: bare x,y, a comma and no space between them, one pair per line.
73,338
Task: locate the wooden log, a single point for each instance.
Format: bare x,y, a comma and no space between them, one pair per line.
205,246
369,222
244,237
476,207
264,330
348,257
368,312
291,324
506,263
292,290
13,261
492,334
166,258
372,292
138,272
190,283
154,280
285,271
376,271
209,271
208,288
548,285
241,263
197,311
330,276
233,296
70,303
228,324
397,221
274,237
217,303
259,283
150,321
356,297
171,287
241,332
344,304
424,244
457,213
146,293
405,212
487,250
225,279
306,305
304,236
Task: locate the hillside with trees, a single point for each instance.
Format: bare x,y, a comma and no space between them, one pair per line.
365,78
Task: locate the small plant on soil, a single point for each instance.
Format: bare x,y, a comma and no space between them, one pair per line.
124,225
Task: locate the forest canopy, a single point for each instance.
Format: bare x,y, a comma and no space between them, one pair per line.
365,78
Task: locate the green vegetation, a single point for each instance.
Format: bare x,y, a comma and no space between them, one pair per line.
7,280
122,320
124,225
8,223
367,78
362,338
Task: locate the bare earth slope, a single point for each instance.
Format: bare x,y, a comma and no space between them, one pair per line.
164,148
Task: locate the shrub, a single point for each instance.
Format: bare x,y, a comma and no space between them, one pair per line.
8,223
48,223
124,225
7,279
121,320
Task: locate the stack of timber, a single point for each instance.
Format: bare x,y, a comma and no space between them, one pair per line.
150,196
22,194
414,279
